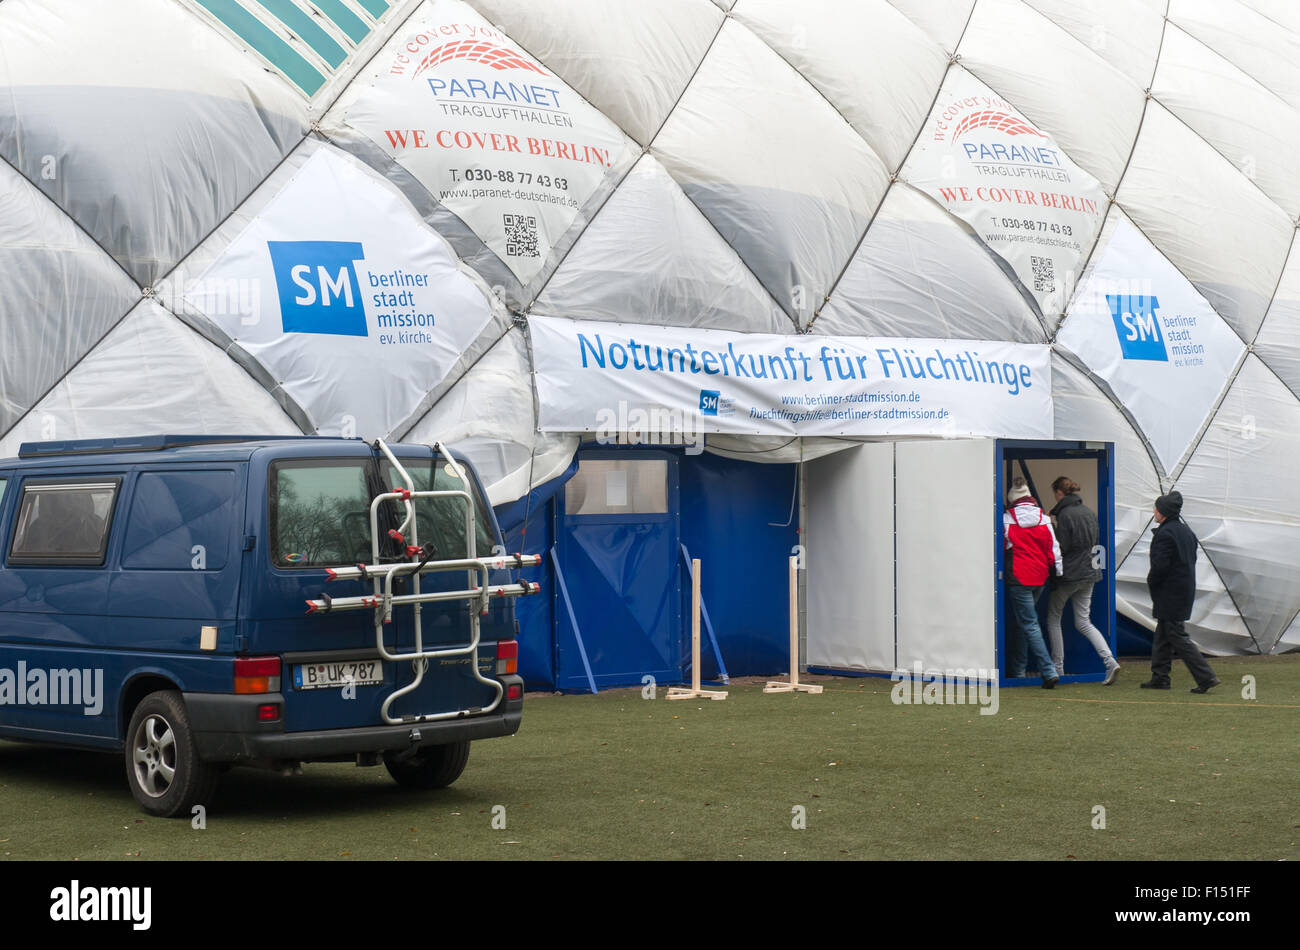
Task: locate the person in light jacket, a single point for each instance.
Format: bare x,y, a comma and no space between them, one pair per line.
1076,530
1031,555
1171,580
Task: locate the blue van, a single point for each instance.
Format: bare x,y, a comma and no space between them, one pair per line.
197,602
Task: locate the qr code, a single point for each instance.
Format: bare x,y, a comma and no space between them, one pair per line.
1044,274
521,235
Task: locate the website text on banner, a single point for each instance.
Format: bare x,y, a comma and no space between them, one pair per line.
773,384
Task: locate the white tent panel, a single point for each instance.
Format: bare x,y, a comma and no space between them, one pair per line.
1139,325
945,548
871,62
1285,13
1256,44
1230,487
849,498
1246,123
1250,448
1215,626
633,74
1290,641
1084,413
1124,33
651,256
942,20
181,283
1278,343
354,281
495,138
1259,563
153,46
147,105
774,449
779,173
151,374
489,415
985,162
1089,107
1206,216
921,272
59,293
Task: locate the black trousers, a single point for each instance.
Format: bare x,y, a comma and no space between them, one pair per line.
1171,640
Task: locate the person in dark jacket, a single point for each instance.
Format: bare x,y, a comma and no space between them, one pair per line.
1172,583
1076,530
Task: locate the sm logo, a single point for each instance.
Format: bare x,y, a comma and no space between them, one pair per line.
318,286
709,402
1137,326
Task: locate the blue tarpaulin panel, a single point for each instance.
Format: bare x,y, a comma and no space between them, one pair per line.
630,592
536,615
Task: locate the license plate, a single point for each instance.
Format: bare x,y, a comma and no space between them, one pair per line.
338,675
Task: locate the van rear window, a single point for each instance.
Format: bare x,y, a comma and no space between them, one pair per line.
319,512
64,522
442,520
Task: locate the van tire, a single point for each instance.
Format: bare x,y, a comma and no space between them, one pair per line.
435,766
163,767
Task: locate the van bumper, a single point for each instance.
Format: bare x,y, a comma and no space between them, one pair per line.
225,729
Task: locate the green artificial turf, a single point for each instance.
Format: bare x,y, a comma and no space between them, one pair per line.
616,776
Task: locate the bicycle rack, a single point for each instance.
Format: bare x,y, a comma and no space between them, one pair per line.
384,574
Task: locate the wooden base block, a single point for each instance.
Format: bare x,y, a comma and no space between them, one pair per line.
681,692
778,687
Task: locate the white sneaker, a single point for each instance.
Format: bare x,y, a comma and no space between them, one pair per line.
1111,674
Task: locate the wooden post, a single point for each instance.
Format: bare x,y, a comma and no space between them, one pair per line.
695,692
794,686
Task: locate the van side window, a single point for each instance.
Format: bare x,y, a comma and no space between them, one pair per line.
64,522
180,521
319,512
442,520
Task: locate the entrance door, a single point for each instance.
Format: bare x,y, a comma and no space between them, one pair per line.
619,548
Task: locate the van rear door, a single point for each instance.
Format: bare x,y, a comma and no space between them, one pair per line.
315,514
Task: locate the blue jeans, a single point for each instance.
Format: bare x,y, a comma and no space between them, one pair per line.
1024,634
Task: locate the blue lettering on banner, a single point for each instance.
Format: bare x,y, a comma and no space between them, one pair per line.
837,365
709,402
529,93
318,287
1137,327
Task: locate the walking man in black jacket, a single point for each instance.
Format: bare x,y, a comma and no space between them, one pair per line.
1172,582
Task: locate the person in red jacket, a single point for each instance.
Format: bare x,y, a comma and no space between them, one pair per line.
1031,556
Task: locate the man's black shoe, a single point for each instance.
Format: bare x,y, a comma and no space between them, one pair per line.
1154,684
1048,684
1207,686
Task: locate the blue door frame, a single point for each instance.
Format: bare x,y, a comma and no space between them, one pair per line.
1078,653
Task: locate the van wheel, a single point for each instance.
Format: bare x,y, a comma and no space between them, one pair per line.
435,766
162,763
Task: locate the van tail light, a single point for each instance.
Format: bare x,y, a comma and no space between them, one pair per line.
515,692
507,657
257,674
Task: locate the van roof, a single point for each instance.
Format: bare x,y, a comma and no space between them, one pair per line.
150,443
131,450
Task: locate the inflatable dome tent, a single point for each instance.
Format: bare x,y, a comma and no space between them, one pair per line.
356,216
